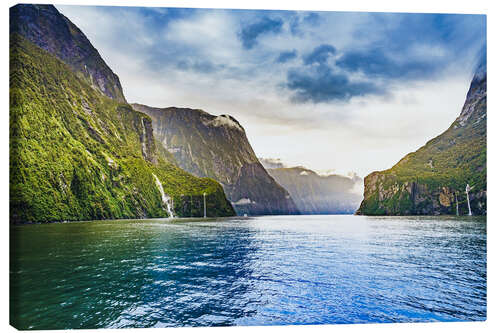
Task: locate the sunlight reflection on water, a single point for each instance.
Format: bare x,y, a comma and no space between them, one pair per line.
248,271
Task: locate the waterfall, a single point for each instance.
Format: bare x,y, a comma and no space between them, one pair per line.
164,198
467,189
143,142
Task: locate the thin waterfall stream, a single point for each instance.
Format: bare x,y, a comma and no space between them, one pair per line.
164,198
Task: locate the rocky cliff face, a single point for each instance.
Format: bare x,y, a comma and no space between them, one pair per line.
44,26
315,194
76,154
432,180
217,147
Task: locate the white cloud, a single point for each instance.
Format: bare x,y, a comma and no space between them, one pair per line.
211,32
364,134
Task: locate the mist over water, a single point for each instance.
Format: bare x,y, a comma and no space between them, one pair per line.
267,270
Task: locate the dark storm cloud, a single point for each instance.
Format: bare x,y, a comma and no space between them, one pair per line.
418,47
376,63
408,47
297,22
320,84
343,55
286,56
249,34
319,55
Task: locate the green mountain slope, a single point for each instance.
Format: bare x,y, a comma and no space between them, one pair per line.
316,194
217,147
44,26
433,179
76,154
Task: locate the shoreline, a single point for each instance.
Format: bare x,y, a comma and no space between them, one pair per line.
198,219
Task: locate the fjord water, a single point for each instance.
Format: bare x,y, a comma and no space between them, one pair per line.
269,270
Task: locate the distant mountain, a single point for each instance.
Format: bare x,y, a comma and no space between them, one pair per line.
75,153
271,163
217,147
44,26
433,179
316,194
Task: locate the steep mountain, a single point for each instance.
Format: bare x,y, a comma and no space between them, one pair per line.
217,147
44,26
433,179
317,194
76,154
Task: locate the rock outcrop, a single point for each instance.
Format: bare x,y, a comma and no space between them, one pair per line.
217,147
432,180
44,26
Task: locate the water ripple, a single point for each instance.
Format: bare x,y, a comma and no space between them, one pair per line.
248,271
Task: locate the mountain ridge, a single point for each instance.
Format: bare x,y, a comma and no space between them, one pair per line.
318,194
432,180
77,154
50,30
217,147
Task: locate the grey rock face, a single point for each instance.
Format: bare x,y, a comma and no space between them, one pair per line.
217,147
44,26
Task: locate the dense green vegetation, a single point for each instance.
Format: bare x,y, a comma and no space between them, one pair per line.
44,26
458,157
432,179
76,154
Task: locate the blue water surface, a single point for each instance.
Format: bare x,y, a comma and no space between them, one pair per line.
272,270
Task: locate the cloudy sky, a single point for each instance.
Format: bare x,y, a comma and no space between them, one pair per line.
326,90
